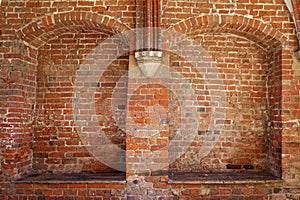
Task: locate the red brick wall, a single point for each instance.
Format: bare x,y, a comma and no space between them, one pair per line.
255,31
70,190
57,145
242,66
19,78
147,142
37,130
273,12
296,10
228,191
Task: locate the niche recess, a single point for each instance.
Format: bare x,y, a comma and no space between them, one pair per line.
250,74
57,146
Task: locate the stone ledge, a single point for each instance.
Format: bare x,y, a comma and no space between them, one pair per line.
222,178
74,178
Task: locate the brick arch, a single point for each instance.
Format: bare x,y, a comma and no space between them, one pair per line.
39,32
263,34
